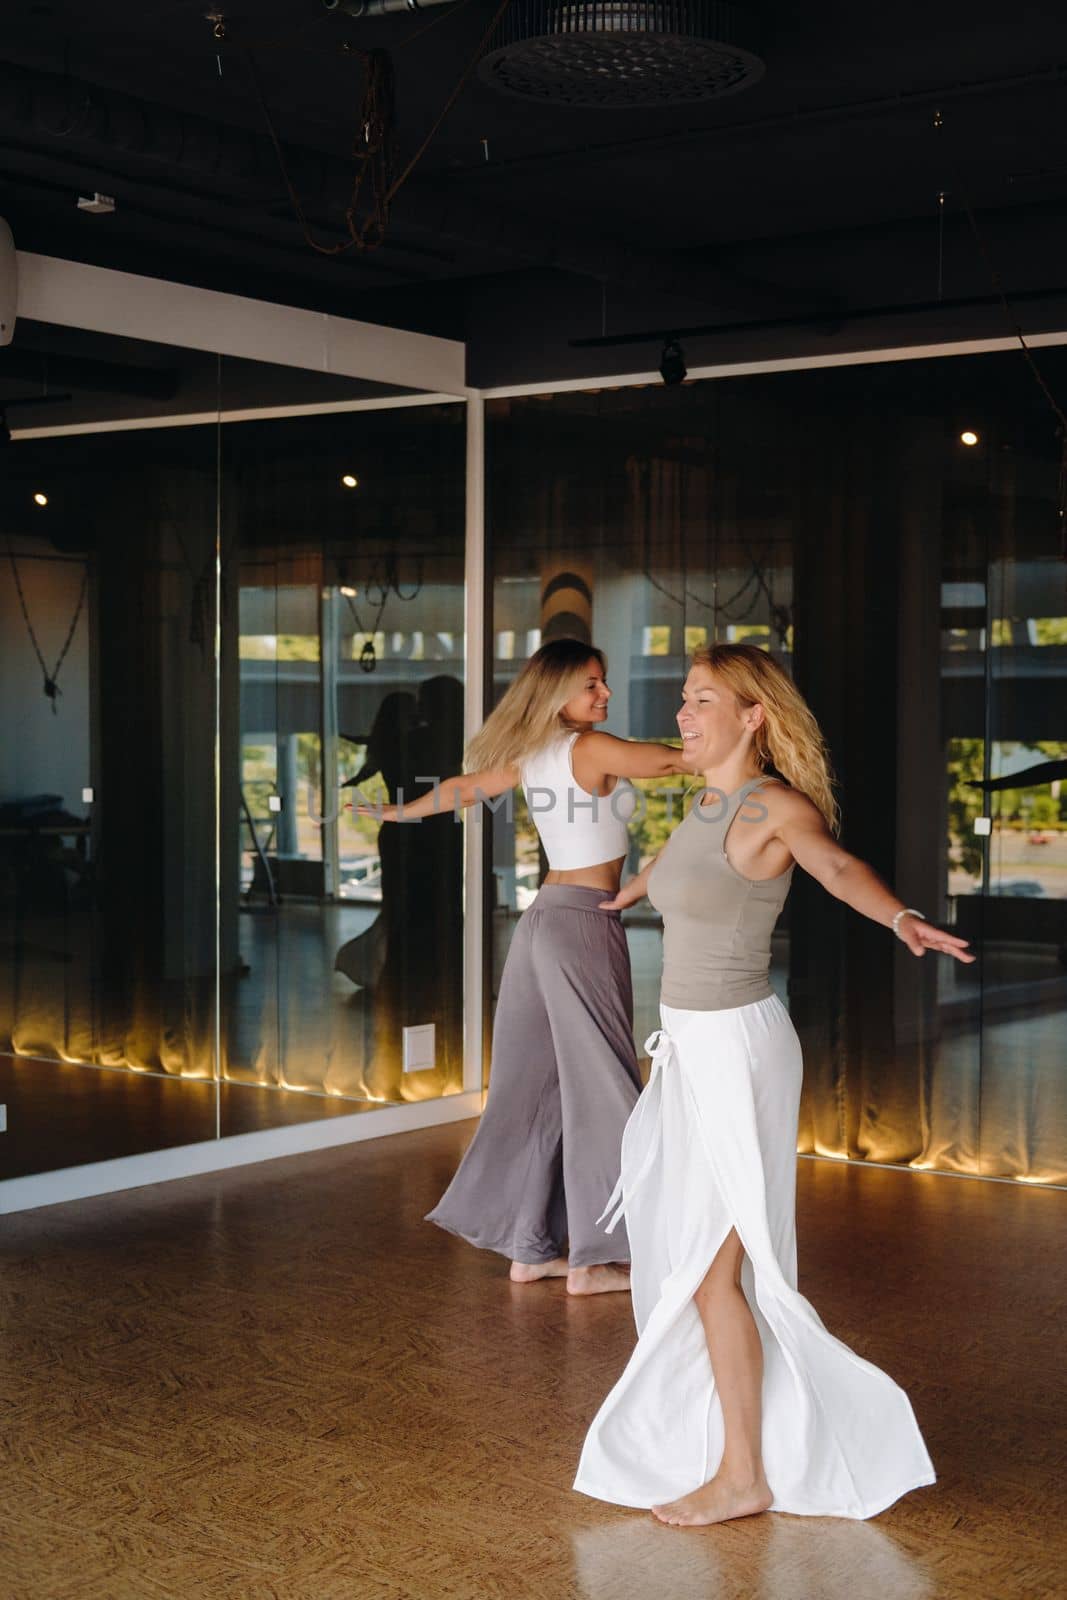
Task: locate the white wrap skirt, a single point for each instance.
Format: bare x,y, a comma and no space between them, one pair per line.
711,1146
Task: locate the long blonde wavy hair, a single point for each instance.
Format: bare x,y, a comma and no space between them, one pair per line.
788,739
529,715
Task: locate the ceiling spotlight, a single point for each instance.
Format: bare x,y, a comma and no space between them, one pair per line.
672,367
968,437
350,481
40,499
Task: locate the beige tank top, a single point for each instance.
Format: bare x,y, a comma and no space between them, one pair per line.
717,925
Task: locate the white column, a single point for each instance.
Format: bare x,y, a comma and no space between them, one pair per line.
329,651
473,716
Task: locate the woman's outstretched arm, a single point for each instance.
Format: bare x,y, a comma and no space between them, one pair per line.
466,789
800,826
597,756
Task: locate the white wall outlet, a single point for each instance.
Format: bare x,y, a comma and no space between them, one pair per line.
100,205
420,1048
87,797
3,1119
274,802
983,825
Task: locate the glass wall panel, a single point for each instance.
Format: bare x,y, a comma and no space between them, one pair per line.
342,666
107,672
615,520
1024,995
999,1103
912,582
949,1037
190,919
891,534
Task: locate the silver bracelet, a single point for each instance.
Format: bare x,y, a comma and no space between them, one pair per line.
908,911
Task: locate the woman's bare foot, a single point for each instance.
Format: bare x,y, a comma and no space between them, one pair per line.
598,1280
717,1501
530,1272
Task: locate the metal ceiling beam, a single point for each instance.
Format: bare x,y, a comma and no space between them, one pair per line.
73,294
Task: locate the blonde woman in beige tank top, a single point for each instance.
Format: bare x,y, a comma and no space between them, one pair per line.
737,1400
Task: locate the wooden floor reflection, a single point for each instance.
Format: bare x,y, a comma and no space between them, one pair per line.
279,1382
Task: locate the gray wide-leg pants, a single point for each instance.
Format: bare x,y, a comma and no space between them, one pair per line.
564,1079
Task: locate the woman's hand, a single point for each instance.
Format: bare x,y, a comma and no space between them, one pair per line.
921,936
382,813
630,893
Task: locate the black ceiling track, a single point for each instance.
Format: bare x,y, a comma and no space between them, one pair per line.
828,322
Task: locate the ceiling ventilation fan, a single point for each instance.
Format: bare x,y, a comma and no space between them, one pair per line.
623,53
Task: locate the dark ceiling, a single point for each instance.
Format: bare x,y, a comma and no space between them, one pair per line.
812,195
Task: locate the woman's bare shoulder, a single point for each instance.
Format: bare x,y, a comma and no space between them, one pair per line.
783,803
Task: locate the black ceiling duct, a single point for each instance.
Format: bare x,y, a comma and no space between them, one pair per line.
621,53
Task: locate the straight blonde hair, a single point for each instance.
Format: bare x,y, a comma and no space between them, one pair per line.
529,715
789,739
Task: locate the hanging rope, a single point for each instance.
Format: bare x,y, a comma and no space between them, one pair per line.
373,187
387,582
51,679
450,102
370,151
368,655
378,588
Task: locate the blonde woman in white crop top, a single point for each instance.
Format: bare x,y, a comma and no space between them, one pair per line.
564,1075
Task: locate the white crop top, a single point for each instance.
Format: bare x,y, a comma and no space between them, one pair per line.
577,829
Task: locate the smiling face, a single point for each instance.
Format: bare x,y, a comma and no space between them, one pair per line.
589,704
713,725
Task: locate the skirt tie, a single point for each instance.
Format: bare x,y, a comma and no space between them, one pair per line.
644,1128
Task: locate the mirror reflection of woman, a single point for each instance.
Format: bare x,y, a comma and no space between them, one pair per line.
736,1399
410,959
564,1075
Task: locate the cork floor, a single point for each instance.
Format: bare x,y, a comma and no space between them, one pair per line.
278,1383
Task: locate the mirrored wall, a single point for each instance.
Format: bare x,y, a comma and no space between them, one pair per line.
610,523
215,620
232,594
343,667
891,534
